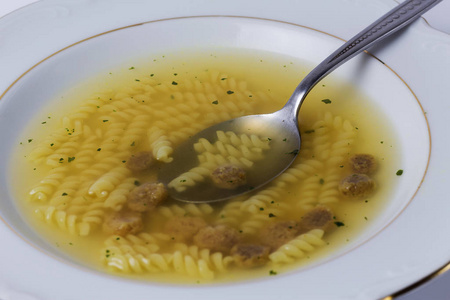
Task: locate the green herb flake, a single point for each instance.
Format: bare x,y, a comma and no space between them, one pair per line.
117,238
30,140
309,131
321,181
64,194
272,273
131,68
293,152
285,139
271,215
70,159
399,172
175,74
137,183
51,145
261,208
137,80
44,122
99,149
151,75
326,101
174,83
230,92
224,78
339,224
215,102
183,180
124,161
132,144
105,121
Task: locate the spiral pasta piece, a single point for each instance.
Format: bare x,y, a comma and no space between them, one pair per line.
228,149
196,210
298,247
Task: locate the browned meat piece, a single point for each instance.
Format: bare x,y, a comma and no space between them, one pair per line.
123,223
228,177
277,234
363,163
146,196
357,186
318,218
219,238
140,161
182,229
250,255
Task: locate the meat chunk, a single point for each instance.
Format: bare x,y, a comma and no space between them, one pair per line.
146,196
363,163
277,234
249,256
182,229
228,177
356,186
123,222
319,217
219,238
140,161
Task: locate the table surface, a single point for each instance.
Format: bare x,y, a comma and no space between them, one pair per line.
436,289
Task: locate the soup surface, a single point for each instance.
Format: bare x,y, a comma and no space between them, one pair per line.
73,178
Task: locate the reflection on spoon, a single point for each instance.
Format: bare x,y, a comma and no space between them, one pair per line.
269,143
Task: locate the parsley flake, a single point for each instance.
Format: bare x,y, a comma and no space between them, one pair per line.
339,224
326,101
293,152
399,172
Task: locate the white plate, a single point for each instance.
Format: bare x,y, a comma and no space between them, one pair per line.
377,265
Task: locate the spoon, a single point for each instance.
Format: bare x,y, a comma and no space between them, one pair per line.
279,129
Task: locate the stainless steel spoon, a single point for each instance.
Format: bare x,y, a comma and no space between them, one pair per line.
281,127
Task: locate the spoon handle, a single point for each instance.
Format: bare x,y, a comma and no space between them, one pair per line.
392,21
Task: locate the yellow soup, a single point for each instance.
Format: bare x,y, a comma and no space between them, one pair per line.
75,154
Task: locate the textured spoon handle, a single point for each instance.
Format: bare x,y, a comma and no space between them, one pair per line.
392,21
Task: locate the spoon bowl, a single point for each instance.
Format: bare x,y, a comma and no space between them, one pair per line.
188,176
277,129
